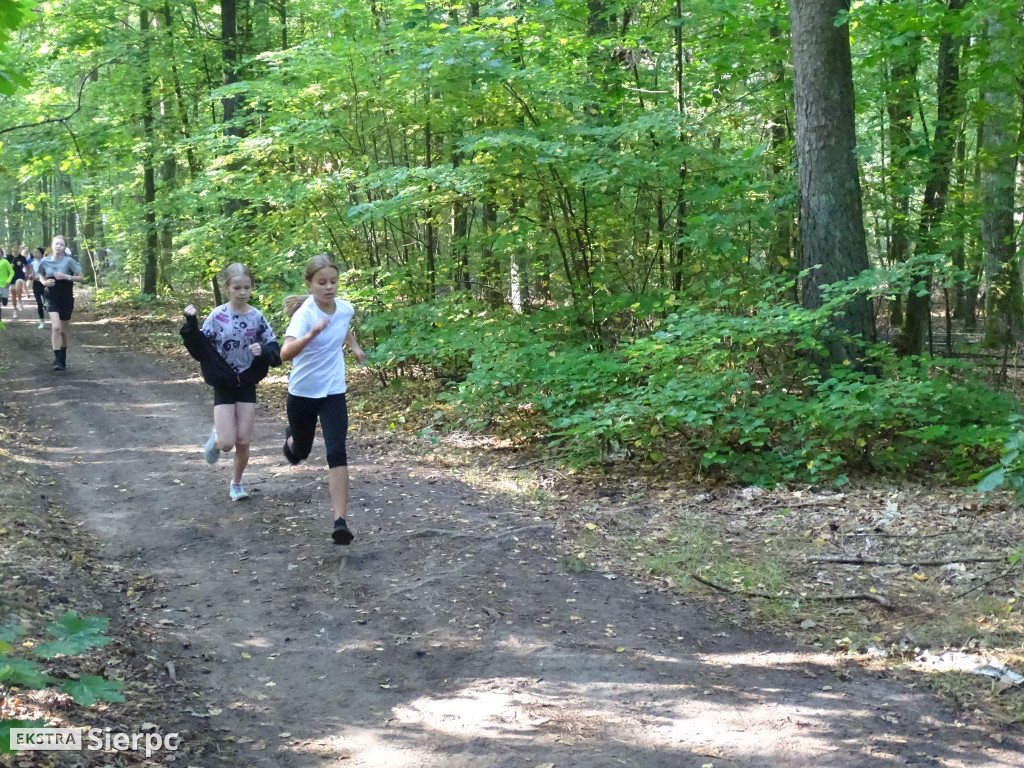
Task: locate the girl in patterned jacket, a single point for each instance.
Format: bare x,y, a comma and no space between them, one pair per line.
235,347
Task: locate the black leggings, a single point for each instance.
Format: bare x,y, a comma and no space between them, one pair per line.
37,291
333,414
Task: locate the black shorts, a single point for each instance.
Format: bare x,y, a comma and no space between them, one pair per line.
332,411
243,393
62,305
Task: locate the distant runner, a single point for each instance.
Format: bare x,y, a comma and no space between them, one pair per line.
59,272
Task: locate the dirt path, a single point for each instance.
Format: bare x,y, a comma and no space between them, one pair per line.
447,635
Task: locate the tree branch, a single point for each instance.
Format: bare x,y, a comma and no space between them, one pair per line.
865,596
78,108
840,560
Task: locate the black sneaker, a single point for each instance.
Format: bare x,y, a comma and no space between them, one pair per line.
341,533
287,451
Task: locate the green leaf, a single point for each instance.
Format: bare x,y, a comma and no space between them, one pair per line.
5,732
15,671
11,633
74,635
93,688
992,480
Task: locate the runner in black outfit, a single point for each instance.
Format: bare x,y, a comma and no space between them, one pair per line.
38,290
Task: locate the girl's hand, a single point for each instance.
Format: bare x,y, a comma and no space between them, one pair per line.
359,355
256,349
49,283
190,311
318,327
61,275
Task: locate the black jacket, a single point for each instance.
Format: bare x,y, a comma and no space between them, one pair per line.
215,369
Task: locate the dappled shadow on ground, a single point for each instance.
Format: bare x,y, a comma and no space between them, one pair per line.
448,634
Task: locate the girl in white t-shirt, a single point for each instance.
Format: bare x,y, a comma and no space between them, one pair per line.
316,387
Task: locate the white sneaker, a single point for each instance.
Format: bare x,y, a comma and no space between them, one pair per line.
41,324
210,450
237,492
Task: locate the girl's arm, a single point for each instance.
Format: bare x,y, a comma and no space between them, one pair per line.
357,351
294,345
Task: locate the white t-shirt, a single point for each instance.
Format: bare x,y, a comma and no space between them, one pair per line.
319,369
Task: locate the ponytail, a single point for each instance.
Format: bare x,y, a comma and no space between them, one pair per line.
292,303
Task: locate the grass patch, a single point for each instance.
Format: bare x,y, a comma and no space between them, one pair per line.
694,547
575,563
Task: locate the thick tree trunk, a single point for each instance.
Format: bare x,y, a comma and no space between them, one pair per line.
832,241
1004,307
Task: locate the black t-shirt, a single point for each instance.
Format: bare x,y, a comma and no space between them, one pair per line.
19,262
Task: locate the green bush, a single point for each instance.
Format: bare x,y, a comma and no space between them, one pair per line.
738,391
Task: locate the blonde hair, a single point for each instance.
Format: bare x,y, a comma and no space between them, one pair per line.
231,271
291,304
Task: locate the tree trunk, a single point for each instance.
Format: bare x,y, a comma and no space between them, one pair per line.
950,107
168,177
1004,306
832,241
780,250
680,250
229,76
901,101
45,221
490,265
92,209
430,233
150,248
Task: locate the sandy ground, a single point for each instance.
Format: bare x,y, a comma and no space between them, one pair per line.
448,634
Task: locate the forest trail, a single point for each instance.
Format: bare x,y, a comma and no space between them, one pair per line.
447,635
